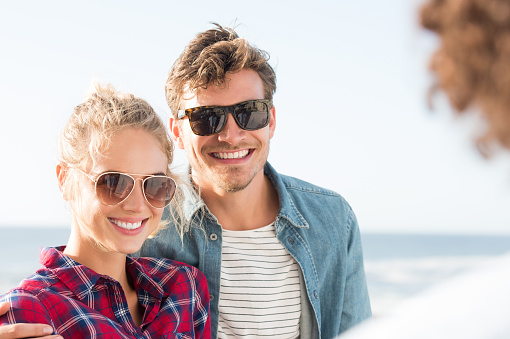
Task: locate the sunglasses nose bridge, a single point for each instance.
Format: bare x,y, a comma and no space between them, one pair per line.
229,109
235,119
134,188
141,185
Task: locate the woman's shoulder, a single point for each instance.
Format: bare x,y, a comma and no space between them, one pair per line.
40,281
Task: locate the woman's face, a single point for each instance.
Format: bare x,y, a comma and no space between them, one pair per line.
123,227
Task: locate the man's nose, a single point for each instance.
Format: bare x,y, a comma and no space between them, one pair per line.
231,133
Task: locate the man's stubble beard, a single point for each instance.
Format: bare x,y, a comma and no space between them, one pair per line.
224,180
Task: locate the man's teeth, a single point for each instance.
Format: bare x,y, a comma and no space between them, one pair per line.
231,155
127,225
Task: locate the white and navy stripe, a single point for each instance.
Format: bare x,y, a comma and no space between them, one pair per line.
260,287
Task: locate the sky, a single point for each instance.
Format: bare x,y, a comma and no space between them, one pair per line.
351,103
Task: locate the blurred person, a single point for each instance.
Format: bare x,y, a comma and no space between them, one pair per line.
114,172
471,63
472,68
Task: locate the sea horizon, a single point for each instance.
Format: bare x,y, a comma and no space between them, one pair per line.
397,265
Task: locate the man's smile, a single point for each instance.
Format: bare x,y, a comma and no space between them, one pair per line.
231,155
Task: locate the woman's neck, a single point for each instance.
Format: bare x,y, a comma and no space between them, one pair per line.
104,262
83,250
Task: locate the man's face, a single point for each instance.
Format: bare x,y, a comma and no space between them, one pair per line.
230,160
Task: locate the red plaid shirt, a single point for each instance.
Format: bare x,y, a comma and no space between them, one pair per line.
79,303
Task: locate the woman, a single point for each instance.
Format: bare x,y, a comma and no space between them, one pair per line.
114,173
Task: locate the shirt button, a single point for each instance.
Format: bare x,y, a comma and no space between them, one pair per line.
213,236
290,240
211,297
315,294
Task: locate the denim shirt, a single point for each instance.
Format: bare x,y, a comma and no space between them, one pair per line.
316,226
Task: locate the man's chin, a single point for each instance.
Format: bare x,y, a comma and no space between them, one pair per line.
232,187
232,182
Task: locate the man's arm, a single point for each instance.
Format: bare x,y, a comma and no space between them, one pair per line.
357,304
23,330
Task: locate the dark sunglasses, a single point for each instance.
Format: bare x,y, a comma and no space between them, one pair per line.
112,188
249,115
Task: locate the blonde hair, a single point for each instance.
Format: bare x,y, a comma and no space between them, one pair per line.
88,132
104,112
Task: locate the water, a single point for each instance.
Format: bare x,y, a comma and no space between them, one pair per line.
401,265
19,251
397,265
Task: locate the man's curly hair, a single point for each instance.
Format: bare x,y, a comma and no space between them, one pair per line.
472,63
208,58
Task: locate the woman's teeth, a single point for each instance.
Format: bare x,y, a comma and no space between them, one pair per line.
126,225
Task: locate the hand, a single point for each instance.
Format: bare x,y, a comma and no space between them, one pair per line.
24,330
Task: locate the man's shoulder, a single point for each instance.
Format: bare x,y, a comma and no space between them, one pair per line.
292,183
298,189
296,185
300,199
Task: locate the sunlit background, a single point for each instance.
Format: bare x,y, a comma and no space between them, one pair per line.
351,102
351,111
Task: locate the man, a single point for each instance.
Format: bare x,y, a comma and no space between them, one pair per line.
282,257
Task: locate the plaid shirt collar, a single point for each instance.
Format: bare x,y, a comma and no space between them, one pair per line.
83,281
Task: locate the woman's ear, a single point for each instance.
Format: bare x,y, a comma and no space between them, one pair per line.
62,171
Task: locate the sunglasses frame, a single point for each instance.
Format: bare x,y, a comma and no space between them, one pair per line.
226,110
148,176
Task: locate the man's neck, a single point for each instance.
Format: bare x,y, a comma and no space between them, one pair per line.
253,207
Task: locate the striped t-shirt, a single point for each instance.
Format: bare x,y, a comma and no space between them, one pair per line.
260,289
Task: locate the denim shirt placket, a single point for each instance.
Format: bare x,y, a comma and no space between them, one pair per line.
289,237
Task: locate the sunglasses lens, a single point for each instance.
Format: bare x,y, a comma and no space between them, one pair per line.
208,121
112,188
159,191
252,115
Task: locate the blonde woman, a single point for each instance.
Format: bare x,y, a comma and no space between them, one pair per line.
114,173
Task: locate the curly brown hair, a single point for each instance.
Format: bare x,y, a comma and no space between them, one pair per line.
472,63
209,57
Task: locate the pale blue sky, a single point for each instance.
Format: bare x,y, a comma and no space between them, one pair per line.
351,102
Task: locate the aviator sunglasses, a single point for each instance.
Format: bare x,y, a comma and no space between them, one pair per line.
249,115
112,188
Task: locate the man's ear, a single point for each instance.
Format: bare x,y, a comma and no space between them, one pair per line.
272,122
62,171
176,132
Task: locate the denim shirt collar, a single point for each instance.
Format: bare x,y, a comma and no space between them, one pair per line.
193,204
287,209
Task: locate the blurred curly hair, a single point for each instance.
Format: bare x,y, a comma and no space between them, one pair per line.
208,58
472,63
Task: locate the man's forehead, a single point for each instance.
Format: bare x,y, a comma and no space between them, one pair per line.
201,96
237,87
